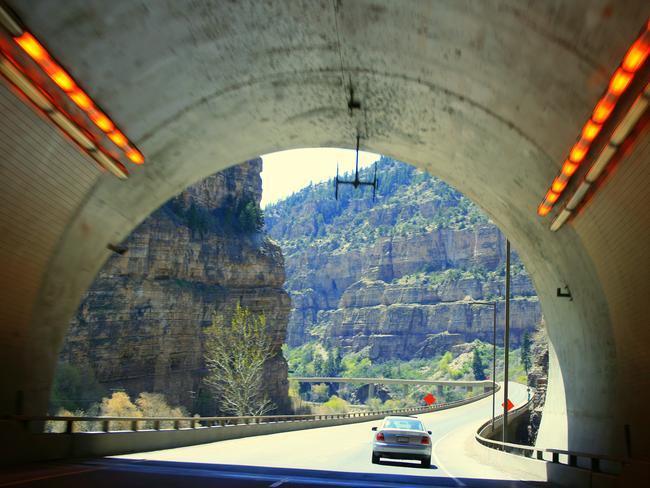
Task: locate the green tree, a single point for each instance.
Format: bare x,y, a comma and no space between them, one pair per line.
251,217
332,366
318,364
235,354
526,359
75,388
320,392
477,366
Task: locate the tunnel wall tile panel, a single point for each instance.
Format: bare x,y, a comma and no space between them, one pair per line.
615,228
45,177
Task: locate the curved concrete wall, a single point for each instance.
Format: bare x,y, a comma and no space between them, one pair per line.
487,95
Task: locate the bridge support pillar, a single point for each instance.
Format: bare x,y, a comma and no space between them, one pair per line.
371,392
439,390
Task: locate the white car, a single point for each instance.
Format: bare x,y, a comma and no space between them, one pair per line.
402,438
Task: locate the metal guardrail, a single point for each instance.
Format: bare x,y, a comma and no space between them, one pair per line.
178,423
595,462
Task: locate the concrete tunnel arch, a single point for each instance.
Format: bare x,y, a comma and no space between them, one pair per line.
487,97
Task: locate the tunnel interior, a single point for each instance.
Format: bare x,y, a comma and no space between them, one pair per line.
489,98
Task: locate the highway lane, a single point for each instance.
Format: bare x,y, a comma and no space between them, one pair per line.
345,448
330,456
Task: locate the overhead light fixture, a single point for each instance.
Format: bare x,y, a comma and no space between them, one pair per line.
619,83
72,130
14,68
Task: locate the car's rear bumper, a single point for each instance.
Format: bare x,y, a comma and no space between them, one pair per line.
401,451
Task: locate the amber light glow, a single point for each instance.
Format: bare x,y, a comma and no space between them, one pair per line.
135,156
636,55
620,82
568,168
63,80
82,100
60,77
32,47
552,197
578,152
558,185
590,130
603,110
118,138
103,122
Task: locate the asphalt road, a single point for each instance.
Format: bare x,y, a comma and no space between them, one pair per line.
330,456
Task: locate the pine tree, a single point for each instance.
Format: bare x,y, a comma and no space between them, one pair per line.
477,366
526,344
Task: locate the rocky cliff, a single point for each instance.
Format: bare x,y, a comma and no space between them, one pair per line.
395,275
140,324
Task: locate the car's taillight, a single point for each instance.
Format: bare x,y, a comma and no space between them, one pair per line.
380,436
425,440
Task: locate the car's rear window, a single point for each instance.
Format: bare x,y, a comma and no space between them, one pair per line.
406,424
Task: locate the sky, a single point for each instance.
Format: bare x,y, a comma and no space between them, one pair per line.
286,172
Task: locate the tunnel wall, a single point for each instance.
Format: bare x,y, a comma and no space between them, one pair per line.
615,230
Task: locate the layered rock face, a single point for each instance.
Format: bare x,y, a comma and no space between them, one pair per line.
397,275
140,324
360,300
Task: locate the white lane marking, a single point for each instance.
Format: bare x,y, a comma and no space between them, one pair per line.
439,464
278,483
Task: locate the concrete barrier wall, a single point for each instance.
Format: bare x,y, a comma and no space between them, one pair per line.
50,446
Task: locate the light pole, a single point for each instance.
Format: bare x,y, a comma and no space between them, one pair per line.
494,353
506,344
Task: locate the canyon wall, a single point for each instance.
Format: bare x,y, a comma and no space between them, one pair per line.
140,324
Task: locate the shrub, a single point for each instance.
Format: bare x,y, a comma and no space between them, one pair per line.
334,405
119,405
155,405
375,404
319,392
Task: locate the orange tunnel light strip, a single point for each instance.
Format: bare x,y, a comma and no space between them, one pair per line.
619,82
63,80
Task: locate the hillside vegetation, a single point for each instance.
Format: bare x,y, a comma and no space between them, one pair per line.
388,284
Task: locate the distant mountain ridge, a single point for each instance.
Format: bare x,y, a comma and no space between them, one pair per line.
396,275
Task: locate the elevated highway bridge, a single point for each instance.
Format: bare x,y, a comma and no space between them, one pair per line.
371,382
537,112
